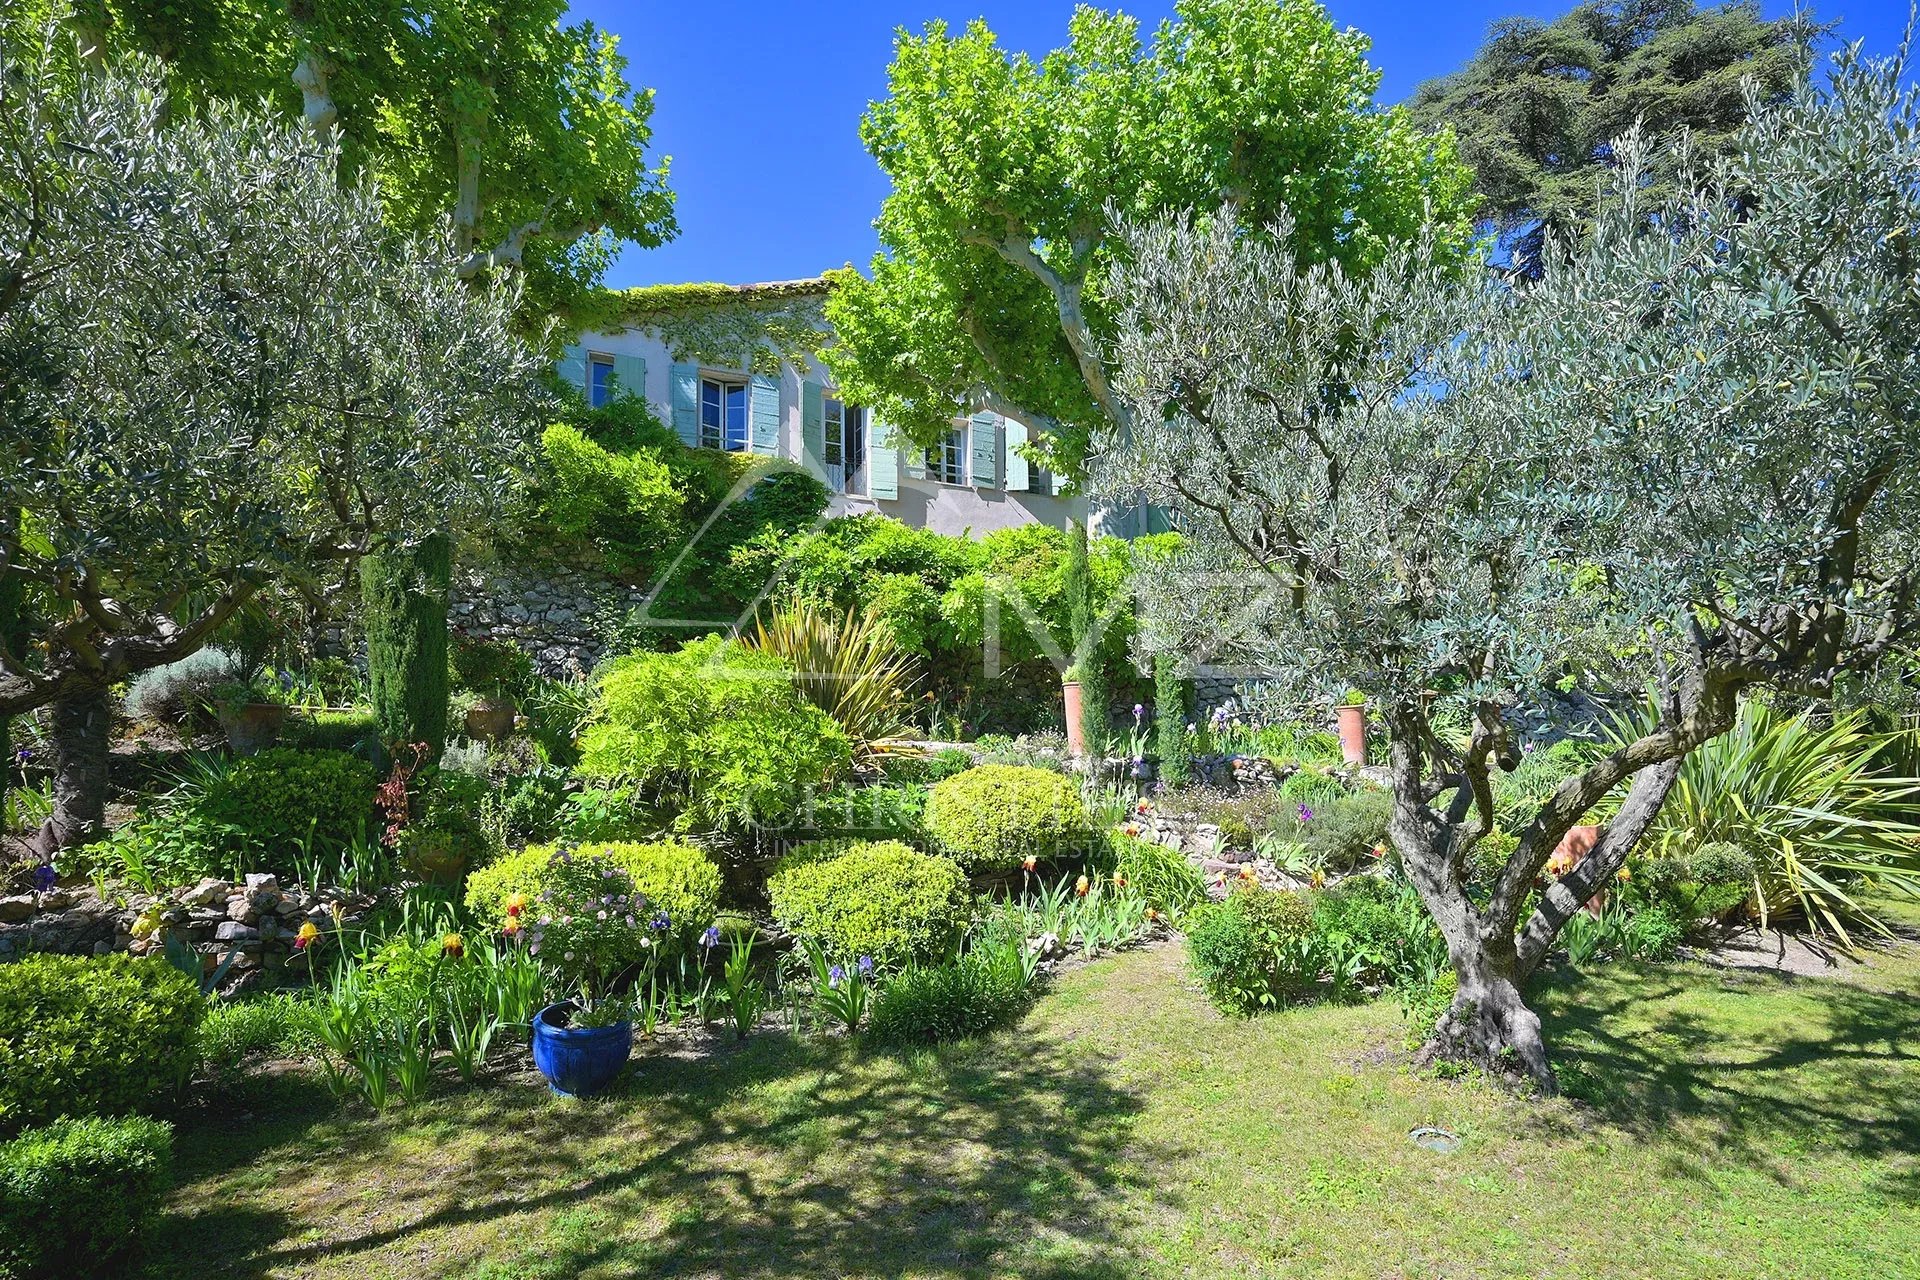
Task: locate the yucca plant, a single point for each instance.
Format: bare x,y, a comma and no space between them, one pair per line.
848,665
1815,806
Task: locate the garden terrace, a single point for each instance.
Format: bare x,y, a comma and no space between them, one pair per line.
1125,1129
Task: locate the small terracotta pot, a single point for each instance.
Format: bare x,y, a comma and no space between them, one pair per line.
252,726
1076,733
490,721
1353,734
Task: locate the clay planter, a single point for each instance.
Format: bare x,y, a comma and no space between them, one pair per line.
490,721
252,726
1353,733
436,859
1076,733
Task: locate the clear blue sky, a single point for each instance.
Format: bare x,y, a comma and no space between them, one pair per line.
758,103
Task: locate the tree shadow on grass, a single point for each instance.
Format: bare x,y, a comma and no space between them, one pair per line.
1763,1069
785,1157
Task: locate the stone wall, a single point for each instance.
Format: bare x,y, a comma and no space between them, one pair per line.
558,611
256,921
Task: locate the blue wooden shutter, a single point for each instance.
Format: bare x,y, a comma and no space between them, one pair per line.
1019,478
984,442
813,430
631,374
572,367
883,461
764,415
683,384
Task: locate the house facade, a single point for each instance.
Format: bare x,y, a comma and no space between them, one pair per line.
975,481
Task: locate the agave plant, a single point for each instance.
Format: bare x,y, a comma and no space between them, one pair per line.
1815,805
848,665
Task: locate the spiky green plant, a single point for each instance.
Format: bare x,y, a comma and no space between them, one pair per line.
1813,802
848,665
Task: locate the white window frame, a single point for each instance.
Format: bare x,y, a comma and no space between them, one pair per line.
842,437
714,436
947,461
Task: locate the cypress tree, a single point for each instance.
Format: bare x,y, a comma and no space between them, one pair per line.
1170,717
403,600
1087,659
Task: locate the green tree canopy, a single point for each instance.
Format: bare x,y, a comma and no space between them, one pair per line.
276,381
1008,174
1685,455
1538,107
498,114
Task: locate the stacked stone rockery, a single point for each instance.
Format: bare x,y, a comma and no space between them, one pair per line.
255,921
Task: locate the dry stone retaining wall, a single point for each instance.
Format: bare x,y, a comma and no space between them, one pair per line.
255,920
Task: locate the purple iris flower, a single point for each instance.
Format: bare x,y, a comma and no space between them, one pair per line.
661,922
44,878
1304,814
835,976
865,966
711,938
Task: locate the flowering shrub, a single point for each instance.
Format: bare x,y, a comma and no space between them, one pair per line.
593,932
676,878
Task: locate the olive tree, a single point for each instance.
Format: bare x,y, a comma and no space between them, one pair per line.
1684,456
233,373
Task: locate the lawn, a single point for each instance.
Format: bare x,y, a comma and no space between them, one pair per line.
1741,1124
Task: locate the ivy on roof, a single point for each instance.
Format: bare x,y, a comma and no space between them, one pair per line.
751,326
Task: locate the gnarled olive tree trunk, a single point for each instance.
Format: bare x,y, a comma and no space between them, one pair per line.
79,731
1489,1024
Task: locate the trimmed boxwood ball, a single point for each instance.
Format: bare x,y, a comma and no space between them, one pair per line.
679,879
80,1036
76,1194
876,898
993,817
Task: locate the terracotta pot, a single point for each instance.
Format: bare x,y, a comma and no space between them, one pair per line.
490,721
434,859
1353,734
1076,734
252,726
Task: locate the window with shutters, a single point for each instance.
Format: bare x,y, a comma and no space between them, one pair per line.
844,445
947,461
723,415
599,380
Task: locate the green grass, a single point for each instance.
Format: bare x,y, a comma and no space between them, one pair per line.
1742,1125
